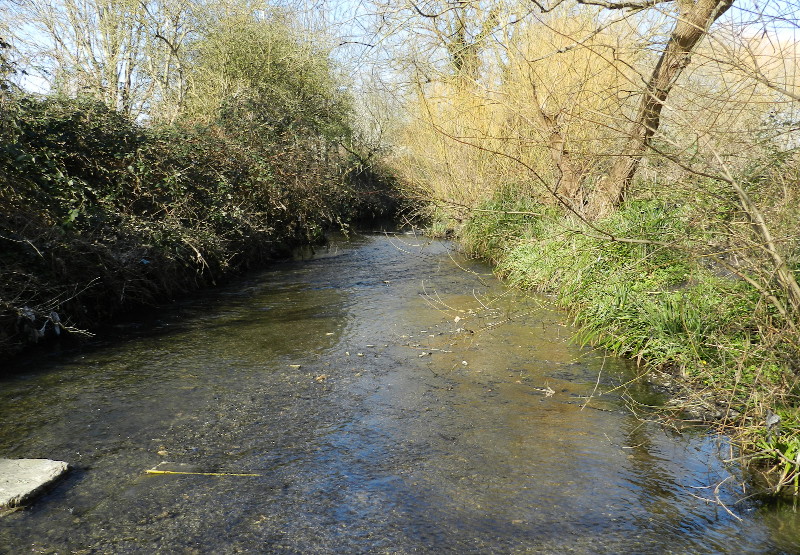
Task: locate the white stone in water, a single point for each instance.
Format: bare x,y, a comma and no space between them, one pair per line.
23,479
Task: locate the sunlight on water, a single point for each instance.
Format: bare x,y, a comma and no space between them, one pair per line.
389,396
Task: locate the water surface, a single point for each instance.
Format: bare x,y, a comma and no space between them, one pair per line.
390,396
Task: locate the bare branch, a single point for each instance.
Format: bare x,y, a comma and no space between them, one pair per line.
633,6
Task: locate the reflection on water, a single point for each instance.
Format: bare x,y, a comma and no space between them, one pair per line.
391,397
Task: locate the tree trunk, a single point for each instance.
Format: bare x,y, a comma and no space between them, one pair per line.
695,19
568,184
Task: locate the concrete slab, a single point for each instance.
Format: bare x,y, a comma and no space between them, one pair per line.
22,479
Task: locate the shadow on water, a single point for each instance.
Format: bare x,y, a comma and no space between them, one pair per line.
388,396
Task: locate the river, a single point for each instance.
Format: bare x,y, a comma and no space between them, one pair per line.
383,395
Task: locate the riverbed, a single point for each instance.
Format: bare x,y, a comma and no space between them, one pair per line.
381,395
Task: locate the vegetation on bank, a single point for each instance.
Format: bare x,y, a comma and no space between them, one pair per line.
651,300
642,167
646,283
100,213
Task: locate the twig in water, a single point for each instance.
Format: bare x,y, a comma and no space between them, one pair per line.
596,384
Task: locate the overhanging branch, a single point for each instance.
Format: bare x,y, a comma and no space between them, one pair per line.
633,6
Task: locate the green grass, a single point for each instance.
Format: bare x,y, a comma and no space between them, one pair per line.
664,306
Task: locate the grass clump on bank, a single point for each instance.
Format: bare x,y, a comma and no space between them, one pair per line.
709,334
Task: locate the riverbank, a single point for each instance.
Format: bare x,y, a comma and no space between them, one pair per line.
99,215
695,327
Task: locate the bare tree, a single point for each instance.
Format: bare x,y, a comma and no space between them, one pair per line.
128,53
692,23
170,25
88,46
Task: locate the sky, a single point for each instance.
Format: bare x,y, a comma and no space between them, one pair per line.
365,41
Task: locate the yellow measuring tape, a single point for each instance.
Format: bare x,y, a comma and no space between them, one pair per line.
153,471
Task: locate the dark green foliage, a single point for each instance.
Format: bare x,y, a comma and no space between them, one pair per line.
65,156
98,213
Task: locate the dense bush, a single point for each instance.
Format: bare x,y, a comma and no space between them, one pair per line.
98,213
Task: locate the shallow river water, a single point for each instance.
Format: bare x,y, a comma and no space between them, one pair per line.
382,396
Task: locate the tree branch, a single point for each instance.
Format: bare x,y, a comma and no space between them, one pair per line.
633,6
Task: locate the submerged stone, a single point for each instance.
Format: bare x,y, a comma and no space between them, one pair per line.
23,479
